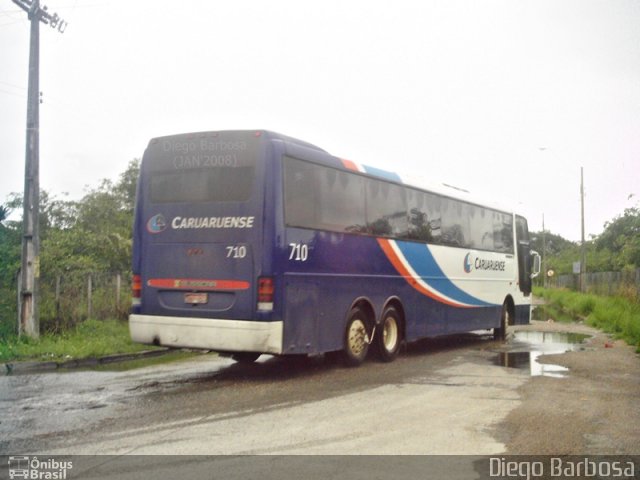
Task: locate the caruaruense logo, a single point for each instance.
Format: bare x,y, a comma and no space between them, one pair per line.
157,224
467,263
477,263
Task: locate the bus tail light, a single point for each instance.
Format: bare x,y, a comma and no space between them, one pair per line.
136,290
265,294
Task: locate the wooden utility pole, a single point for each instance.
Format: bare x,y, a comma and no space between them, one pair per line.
28,308
544,254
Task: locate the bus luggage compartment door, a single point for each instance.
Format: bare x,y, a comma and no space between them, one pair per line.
199,280
301,316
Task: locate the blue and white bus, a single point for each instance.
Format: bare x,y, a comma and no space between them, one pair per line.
251,242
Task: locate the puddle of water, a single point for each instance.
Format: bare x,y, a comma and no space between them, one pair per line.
556,340
527,346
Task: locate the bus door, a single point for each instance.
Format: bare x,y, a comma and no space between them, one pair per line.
524,255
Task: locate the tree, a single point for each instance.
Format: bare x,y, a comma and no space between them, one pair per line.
90,235
126,187
4,213
10,237
554,243
105,218
621,237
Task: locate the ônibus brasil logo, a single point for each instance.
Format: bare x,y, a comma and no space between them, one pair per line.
34,468
156,224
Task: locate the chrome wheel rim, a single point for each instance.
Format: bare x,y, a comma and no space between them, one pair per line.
390,334
357,337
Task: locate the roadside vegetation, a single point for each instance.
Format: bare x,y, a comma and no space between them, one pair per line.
76,238
617,315
91,338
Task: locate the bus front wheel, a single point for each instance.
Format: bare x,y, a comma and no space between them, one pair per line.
500,333
356,339
388,336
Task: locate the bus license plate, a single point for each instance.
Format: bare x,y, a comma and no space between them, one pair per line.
195,298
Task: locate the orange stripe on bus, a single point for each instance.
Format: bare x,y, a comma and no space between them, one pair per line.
402,270
350,165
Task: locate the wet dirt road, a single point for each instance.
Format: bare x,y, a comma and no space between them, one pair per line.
458,395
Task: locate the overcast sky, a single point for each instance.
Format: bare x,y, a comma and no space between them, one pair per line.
506,98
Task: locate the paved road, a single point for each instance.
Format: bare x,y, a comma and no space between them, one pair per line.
446,396
441,396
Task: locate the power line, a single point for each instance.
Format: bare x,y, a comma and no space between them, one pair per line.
53,103
7,12
12,85
14,94
14,22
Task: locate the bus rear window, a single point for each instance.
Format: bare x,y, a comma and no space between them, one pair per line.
232,184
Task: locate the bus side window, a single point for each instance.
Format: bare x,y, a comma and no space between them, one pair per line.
341,201
483,229
453,224
386,209
425,222
503,234
300,201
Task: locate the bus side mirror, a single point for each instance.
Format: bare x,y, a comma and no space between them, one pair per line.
535,269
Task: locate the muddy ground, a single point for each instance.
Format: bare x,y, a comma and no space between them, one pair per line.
447,396
594,409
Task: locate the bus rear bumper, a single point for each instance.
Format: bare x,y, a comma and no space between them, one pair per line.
207,333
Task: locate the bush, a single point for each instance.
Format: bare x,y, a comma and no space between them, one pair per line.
615,315
580,305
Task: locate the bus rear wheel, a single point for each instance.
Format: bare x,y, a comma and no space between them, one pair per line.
245,357
388,336
356,339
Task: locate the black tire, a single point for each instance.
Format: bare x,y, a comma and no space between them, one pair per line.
388,335
356,338
500,333
245,357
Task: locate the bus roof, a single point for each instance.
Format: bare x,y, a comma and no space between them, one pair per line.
265,133
408,179
412,179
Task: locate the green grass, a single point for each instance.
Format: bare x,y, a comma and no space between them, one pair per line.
615,315
92,338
